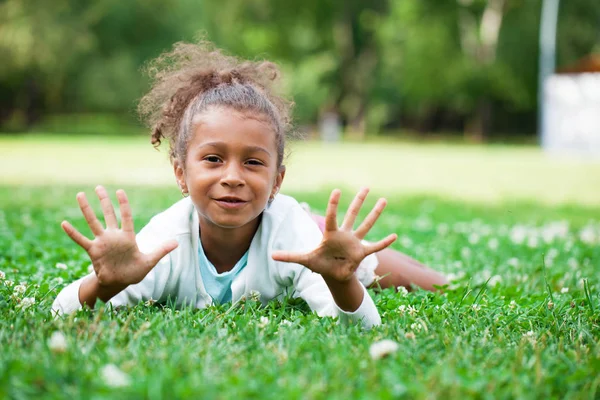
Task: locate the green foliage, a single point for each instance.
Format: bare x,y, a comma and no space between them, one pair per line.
379,63
505,328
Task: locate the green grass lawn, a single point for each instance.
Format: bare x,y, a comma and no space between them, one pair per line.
520,320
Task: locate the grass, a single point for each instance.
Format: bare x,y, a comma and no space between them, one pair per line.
520,320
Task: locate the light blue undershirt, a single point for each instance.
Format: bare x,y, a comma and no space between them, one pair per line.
218,286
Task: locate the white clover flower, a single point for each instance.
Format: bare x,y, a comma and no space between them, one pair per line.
402,291
532,242
2,275
494,280
27,302
383,348
513,262
474,238
550,305
513,304
412,311
442,229
264,321
416,327
573,263
402,309
564,290
518,234
255,295
57,343
114,377
285,322
61,265
150,302
20,289
476,307
529,334
587,235
465,252
405,241
493,244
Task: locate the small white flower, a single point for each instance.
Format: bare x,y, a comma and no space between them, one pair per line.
383,348
550,305
2,275
402,291
412,311
57,343
532,242
465,252
255,295
410,335
564,290
61,265
530,334
573,263
476,307
20,289
513,262
114,377
513,304
405,241
474,238
285,322
416,327
402,309
494,280
27,302
264,321
150,302
493,244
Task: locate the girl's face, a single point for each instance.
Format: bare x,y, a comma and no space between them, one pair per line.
231,167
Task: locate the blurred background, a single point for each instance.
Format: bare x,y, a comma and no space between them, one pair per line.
365,72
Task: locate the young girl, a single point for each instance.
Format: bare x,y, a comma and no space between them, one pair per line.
232,234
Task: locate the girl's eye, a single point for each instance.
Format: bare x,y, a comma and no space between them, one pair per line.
212,159
255,162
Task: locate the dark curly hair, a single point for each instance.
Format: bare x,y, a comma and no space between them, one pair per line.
193,77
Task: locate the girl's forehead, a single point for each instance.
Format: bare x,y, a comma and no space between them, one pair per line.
232,126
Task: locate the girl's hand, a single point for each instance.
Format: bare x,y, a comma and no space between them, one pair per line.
341,250
114,252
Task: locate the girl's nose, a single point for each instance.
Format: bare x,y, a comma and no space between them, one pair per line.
232,176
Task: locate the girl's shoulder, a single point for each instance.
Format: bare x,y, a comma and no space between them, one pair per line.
174,221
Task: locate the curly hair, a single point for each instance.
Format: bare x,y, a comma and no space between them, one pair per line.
193,77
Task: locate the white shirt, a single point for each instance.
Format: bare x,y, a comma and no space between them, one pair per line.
284,226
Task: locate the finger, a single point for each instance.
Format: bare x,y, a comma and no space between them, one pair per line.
331,213
158,254
89,215
107,208
289,256
126,217
76,236
354,209
370,220
382,244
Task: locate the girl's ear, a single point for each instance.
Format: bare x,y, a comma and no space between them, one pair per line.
278,181
180,176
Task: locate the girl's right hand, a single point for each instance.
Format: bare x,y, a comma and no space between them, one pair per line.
114,253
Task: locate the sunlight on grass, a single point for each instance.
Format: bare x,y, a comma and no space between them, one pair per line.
476,173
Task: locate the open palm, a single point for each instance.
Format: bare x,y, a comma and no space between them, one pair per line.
341,250
114,253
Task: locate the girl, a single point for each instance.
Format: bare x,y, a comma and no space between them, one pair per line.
232,234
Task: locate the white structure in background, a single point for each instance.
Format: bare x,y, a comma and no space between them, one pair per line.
572,114
571,121
330,127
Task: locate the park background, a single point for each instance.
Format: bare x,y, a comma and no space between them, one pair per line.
437,104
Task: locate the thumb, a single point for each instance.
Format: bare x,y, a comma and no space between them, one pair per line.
290,257
163,250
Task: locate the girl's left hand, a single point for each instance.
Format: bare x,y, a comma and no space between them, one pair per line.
341,249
